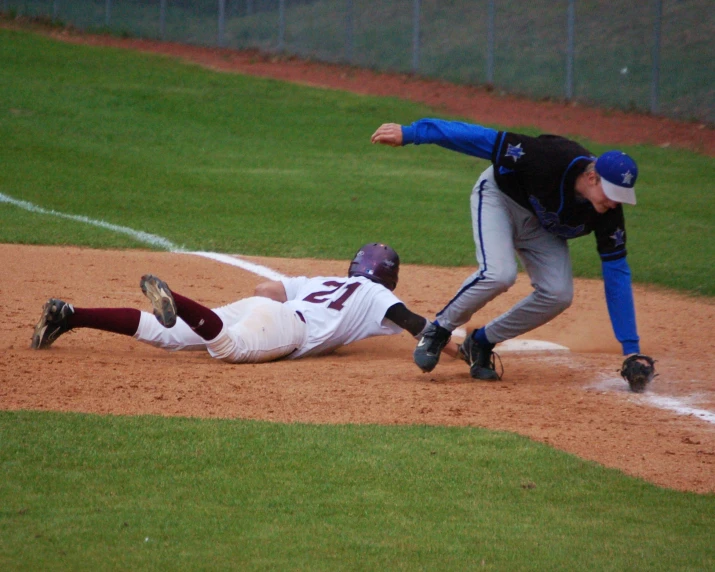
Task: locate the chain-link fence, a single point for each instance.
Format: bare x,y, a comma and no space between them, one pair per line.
653,56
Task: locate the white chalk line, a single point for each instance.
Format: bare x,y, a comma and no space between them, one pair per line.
233,261
662,402
677,405
673,404
145,238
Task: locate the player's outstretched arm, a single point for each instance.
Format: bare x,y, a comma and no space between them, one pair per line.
272,289
415,324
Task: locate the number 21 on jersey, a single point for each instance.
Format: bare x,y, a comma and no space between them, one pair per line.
336,303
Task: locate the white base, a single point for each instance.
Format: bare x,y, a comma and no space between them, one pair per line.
521,345
530,346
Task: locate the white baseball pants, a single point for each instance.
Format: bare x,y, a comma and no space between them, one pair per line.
254,330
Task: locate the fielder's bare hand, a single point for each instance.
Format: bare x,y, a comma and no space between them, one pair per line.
388,134
452,350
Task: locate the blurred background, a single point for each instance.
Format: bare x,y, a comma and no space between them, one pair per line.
653,56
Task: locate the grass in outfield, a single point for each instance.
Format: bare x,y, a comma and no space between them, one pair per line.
84,492
245,165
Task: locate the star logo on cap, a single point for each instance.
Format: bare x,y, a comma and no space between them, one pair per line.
619,237
515,151
627,177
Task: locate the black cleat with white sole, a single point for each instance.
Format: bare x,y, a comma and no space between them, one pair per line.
161,298
53,322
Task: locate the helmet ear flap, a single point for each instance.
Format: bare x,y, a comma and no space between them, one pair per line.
377,262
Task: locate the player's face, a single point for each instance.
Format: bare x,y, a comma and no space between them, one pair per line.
592,189
600,201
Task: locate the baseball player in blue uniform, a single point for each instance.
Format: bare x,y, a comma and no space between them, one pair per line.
538,193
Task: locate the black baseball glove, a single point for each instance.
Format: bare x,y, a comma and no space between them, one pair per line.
638,370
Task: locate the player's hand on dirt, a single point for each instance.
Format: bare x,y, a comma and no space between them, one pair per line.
452,350
388,134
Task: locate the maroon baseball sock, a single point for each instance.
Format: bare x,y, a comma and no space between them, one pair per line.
118,320
199,318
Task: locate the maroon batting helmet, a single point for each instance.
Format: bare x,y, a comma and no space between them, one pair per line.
378,262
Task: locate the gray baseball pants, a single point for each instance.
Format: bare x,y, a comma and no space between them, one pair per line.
502,228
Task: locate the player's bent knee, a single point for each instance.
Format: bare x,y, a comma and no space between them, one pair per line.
564,297
559,299
501,280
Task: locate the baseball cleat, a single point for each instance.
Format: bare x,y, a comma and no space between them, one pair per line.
430,346
480,359
54,322
161,299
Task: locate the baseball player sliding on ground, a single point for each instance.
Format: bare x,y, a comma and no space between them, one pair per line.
289,318
538,193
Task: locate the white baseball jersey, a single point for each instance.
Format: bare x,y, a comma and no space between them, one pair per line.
339,311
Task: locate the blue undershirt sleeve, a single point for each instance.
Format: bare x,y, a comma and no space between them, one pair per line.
465,138
619,299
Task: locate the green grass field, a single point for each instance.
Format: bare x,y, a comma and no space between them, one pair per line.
85,491
243,165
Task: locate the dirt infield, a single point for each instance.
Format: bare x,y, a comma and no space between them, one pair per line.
573,401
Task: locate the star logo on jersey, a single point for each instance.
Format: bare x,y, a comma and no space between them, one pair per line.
619,237
627,177
515,151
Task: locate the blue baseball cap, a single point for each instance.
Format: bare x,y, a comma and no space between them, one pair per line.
618,176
